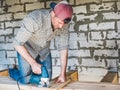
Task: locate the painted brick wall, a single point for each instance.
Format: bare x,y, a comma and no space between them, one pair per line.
94,43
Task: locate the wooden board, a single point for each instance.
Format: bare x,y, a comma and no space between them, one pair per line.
91,86
4,73
111,77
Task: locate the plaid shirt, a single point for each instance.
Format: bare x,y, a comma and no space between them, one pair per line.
36,33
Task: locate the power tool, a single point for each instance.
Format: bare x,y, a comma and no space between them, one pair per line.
42,80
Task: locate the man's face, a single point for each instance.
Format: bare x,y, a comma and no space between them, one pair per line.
57,23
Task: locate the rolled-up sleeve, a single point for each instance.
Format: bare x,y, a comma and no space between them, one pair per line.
63,38
25,32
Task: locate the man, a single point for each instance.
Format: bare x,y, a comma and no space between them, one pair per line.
32,42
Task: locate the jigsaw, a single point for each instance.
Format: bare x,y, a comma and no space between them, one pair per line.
42,80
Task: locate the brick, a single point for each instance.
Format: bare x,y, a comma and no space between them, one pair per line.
9,46
111,15
1,25
112,35
86,1
73,62
71,2
79,53
95,44
2,54
112,63
8,31
118,26
102,26
92,63
2,10
55,53
109,0
9,39
82,37
3,67
79,9
96,35
11,54
5,17
71,28
110,44
3,3
2,46
2,32
102,7
7,61
16,30
55,71
106,53
12,2
2,38
19,15
11,61
118,43
118,5
12,24
82,17
83,27
73,41
15,8
26,1
33,6
56,62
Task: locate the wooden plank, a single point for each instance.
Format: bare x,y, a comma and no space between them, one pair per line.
4,73
91,86
111,77
71,77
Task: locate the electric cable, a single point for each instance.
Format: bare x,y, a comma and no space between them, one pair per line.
19,79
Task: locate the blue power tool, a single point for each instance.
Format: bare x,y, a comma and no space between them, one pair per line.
42,80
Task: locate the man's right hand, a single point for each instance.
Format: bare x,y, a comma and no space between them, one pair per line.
36,68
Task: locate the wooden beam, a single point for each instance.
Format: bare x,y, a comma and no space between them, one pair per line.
72,76
111,77
91,86
4,73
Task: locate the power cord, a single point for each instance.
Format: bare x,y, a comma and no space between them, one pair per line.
19,79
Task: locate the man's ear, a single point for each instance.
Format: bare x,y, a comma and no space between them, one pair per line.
52,13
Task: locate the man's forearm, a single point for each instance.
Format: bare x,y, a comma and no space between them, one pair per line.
24,53
36,68
64,58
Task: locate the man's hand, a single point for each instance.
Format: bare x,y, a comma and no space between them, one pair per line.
36,68
61,79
